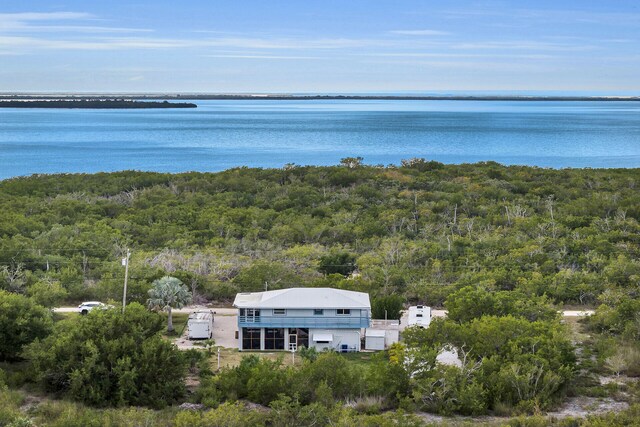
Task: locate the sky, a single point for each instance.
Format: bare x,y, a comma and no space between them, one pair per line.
328,46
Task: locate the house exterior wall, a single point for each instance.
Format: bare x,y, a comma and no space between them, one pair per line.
348,337
307,312
345,329
340,337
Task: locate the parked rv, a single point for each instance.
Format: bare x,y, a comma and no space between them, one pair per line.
419,315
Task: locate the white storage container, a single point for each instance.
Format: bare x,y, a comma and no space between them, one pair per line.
200,325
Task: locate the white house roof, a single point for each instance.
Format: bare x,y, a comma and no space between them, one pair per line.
303,298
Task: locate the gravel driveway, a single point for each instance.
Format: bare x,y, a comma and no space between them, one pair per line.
225,324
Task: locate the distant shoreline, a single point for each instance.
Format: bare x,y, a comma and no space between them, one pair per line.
279,97
74,103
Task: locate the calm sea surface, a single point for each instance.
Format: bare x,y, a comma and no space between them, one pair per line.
223,134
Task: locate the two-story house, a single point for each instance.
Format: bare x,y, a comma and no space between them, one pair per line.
286,319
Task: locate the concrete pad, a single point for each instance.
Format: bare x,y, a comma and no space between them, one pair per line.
224,330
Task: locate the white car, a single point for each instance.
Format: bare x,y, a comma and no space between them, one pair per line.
86,307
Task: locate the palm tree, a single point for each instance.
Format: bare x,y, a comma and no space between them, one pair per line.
166,294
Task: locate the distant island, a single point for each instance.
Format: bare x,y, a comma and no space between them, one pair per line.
300,97
94,104
276,97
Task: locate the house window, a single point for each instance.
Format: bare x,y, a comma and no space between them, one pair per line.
274,339
343,312
318,312
251,338
279,312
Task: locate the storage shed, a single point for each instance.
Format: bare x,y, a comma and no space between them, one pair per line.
392,336
375,339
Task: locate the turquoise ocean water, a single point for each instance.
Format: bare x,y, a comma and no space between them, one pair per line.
223,134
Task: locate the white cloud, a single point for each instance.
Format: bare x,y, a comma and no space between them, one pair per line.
118,43
454,55
546,16
521,45
420,32
31,22
77,29
33,43
289,43
35,31
241,56
38,16
470,65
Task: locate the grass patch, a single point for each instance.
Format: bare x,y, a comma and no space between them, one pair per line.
230,357
58,317
179,324
577,329
16,374
359,358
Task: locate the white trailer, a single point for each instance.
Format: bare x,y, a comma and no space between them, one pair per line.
200,325
419,315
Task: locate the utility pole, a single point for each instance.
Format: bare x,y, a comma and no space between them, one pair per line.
125,262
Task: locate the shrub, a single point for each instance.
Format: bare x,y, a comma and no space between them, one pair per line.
625,360
471,303
21,421
337,262
505,360
619,319
47,293
308,353
389,307
343,378
21,322
108,358
10,402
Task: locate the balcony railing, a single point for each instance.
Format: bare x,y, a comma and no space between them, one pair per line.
324,322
